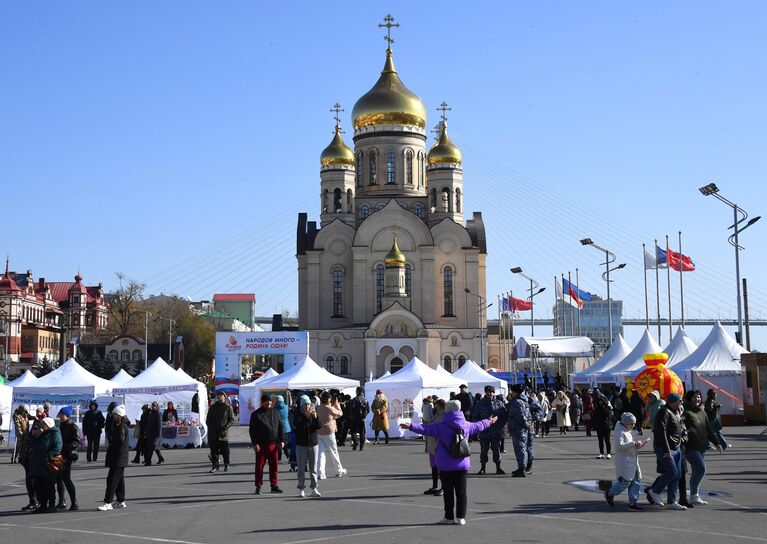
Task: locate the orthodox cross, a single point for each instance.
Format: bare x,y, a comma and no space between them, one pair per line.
389,24
444,108
437,130
337,109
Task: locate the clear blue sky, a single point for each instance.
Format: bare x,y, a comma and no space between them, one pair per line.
176,141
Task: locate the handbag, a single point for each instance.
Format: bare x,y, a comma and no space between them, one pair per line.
55,464
459,447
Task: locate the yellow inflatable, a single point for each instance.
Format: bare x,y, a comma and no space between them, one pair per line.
656,377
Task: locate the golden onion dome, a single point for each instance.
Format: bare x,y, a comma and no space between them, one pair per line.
444,151
337,152
395,258
389,102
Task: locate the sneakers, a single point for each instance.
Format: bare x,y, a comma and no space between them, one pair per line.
675,506
438,493
119,504
316,493
445,521
30,506
654,498
276,489
105,507
460,521
608,456
600,456
519,473
341,473
634,507
430,491
258,490
697,501
322,477
609,499
301,494
213,469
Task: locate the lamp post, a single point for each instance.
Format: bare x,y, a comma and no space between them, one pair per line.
171,322
481,312
533,286
609,259
4,316
147,315
739,215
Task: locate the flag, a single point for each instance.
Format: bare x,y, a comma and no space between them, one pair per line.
661,258
679,262
566,297
504,304
519,305
575,292
650,260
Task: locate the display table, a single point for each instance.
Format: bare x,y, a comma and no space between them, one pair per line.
176,437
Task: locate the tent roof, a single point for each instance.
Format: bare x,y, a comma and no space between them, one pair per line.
635,360
439,368
270,373
25,379
555,346
476,376
121,377
679,348
614,355
307,374
70,376
159,377
719,354
419,374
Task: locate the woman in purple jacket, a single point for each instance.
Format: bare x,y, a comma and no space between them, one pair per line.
452,470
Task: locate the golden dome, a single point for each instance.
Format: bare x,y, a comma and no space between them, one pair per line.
337,152
395,258
444,151
389,102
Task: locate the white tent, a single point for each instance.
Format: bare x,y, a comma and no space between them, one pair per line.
614,354
247,395
68,379
477,379
183,373
633,362
24,379
680,347
555,346
161,383
439,368
405,390
121,377
6,397
716,365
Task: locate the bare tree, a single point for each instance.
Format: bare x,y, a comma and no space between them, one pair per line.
124,310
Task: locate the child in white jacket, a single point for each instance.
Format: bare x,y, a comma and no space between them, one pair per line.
625,445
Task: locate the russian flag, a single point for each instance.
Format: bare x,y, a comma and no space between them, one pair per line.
577,296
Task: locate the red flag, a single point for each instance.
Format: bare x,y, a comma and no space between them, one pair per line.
519,305
679,262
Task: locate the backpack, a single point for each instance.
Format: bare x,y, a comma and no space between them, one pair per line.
536,412
459,445
358,410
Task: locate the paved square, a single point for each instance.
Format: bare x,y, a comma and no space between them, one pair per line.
381,501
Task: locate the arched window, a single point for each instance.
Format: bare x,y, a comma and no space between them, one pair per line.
408,279
461,361
418,211
447,363
338,291
125,355
458,201
330,364
446,200
447,289
390,177
325,201
395,365
113,355
349,201
337,201
136,355
409,167
372,180
420,169
433,200
379,286
364,211
344,365
359,169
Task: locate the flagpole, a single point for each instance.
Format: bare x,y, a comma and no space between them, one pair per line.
564,319
668,283
646,305
572,316
510,344
657,289
681,275
578,282
561,308
500,331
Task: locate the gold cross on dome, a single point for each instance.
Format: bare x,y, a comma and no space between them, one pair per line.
337,109
389,24
443,107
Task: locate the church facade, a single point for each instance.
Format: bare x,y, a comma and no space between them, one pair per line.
394,269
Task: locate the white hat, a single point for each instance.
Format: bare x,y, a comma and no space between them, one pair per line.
48,422
119,410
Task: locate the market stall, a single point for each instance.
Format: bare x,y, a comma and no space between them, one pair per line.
248,400
614,355
632,363
121,377
477,379
680,347
25,379
6,399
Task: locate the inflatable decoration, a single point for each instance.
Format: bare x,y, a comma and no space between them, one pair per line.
656,377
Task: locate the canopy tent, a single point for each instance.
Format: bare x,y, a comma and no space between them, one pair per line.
679,348
183,373
439,368
614,354
716,365
247,395
633,362
161,383
477,378
6,398
554,346
121,377
24,379
405,390
69,378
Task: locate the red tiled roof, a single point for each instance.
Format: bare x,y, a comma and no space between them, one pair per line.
239,297
9,284
60,290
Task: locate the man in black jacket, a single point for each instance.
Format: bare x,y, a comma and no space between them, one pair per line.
220,418
70,438
359,408
93,422
267,434
466,401
151,427
667,441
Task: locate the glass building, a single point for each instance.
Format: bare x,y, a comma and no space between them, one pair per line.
590,321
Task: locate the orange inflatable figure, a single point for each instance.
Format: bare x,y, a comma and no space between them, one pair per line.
656,377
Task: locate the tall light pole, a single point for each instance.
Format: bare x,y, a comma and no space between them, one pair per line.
147,315
7,334
533,293
609,259
481,312
739,215
171,322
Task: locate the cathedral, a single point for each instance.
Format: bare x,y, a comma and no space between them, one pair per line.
394,269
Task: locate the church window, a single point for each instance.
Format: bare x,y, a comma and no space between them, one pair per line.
418,211
409,167
447,363
461,361
447,288
372,180
420,169
349,201
380,206
390,178
325,201
408,279
454,341
125,355
330,364
379,286
113,355
338,291
337,201
433,200
344,365
136,355
446,200
457,201
359,169
364,211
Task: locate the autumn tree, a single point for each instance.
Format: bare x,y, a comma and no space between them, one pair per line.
125,311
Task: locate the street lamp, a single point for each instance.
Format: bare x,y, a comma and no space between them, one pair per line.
171,322
533,287
609,259
481,312
147,315
739,215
